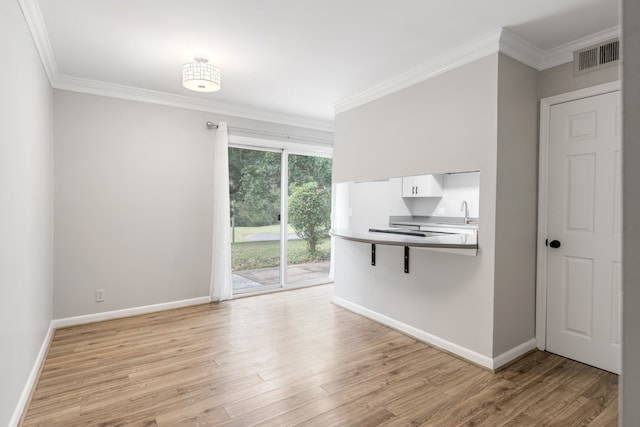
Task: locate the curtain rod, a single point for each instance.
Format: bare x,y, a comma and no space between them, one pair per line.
210,125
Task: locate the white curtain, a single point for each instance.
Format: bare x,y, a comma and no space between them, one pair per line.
221,253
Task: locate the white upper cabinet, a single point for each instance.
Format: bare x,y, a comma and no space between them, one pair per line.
422,186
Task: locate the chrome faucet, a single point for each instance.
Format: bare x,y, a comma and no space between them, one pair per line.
465,208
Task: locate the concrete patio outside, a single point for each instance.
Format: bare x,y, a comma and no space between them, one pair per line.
252,280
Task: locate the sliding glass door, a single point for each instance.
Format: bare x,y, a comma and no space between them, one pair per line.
309,215
279,196
255,196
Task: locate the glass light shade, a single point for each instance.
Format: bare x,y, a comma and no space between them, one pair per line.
200,76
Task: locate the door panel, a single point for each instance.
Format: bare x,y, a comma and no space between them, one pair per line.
581,174
261,183
309,217
584,195
254,192
578,291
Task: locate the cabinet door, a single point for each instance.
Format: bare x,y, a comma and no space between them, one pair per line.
423,186
408,186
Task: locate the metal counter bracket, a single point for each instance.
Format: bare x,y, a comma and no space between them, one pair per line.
373,254
406,259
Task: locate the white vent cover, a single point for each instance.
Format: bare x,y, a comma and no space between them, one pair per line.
595,57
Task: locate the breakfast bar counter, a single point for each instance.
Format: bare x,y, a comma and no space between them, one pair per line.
458,243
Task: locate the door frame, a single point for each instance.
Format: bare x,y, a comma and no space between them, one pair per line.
543,193
285,148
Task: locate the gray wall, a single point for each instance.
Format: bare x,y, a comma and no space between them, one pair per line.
631,246
133,185
26,215
481,116
444,124
516,205
440,125
560,79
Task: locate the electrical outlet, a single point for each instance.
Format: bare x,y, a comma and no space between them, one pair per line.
99,295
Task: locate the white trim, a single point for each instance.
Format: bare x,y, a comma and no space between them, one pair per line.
501,40
296,140
455,58
543,194
458,350
33,376
79,320
511,355
113,90
520,49
564,53
115,314
276,145
35,22
284,217
541,267
33,18
465,353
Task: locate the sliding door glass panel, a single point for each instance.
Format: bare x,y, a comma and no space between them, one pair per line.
255,196
309,219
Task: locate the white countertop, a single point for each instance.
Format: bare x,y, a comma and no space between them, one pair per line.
466,244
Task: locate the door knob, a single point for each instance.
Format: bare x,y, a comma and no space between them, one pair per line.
554,244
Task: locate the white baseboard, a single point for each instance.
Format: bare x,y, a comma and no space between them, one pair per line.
115,314
436,341
514,353
458,350
89,318
31,380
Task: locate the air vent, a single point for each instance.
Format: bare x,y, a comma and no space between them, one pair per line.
595,57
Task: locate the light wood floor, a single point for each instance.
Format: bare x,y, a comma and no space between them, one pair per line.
293,358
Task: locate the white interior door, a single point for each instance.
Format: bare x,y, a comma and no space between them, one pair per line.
585,219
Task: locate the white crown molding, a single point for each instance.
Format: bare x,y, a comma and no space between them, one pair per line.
564,53
33,17
113,90
35,22
520,49
455,58
501,40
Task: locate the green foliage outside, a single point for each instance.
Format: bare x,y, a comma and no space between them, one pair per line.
254,183
310,213
303,169
254,189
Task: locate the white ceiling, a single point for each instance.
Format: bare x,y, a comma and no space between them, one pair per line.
290,57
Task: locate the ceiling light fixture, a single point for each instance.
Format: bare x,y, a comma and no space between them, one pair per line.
200,76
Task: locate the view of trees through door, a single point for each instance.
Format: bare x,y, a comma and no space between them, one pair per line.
260,219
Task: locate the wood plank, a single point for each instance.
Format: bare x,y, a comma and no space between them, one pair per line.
294,358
